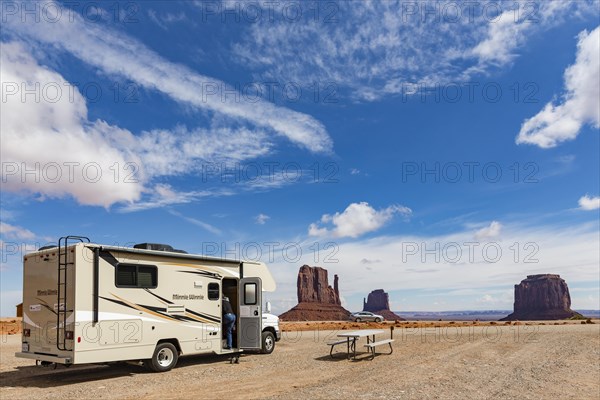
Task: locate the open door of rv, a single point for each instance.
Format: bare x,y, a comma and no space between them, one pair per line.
250,313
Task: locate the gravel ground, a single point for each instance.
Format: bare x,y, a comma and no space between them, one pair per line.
475,362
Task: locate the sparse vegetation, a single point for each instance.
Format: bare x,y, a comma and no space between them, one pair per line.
577,316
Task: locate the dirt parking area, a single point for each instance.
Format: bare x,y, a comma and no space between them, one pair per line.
445,362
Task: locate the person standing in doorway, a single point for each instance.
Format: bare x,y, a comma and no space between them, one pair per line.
228,321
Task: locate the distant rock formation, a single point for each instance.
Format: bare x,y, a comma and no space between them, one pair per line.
313,286
542,297
378,302
317,301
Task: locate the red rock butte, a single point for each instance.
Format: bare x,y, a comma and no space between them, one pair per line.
317,301
542,297
378,302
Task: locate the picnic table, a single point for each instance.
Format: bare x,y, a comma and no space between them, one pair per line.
351,338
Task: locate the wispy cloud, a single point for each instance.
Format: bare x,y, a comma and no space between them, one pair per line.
580,104
161,195
114,52
210,228
15,232
374,49
98,163
163,20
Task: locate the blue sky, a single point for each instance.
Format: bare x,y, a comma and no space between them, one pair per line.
439,151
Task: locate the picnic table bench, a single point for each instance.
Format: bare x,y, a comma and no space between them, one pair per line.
371,346
351,337
335,343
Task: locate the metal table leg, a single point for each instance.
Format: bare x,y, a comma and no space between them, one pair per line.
347,347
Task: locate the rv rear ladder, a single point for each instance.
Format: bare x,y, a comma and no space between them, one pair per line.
61,311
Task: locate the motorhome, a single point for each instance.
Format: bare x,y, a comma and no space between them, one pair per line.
91,303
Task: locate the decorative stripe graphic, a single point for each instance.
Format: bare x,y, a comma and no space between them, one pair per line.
46,306
161,311
158,297
212,275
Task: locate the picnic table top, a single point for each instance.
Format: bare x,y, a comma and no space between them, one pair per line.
362,333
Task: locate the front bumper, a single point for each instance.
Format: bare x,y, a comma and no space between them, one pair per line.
277,335
45,357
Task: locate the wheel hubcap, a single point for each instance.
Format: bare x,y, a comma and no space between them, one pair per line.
165,357
269,343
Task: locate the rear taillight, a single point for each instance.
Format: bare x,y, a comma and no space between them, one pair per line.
69,335
26,332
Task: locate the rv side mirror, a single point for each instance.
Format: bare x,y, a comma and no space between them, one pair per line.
268,307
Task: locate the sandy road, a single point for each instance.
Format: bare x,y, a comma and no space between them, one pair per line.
551,361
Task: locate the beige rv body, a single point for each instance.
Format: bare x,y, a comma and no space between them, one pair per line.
131,321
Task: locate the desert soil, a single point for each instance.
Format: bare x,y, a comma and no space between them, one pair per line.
451,361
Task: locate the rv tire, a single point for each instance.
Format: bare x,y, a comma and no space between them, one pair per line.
164,358
268,342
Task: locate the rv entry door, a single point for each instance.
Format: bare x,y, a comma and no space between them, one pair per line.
250,313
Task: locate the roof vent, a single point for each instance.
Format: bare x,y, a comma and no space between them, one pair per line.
158,247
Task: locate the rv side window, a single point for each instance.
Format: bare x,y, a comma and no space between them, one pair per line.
250,293
136,276
213,291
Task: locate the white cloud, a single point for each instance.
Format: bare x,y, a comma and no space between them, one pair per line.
262,219
95,162
71,154
580,104
396,44
16,232
356,220
589,203
509,30
114,52
489,232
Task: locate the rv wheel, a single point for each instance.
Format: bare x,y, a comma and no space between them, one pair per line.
164,358
268,342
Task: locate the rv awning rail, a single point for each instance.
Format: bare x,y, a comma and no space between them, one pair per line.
169,254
